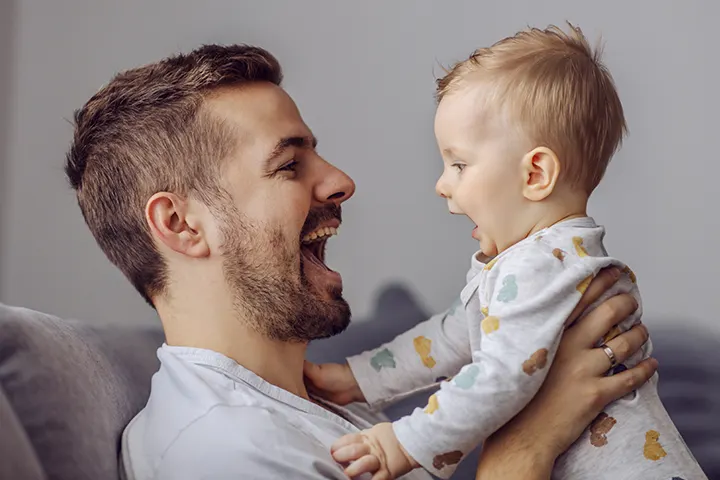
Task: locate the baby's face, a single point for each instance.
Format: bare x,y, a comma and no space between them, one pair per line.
482,175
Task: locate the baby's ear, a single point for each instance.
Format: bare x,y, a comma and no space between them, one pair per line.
540,169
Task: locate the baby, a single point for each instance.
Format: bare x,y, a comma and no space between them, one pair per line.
526,129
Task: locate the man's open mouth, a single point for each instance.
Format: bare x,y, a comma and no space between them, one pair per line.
313,245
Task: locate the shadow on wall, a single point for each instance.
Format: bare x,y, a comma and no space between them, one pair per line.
7,44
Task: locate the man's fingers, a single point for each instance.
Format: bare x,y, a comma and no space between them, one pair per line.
605,279
601,320
620,384
626,344
366,464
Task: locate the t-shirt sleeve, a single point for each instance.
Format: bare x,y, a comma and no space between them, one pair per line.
246,442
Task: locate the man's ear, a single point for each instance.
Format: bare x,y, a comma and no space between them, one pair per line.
540,169
173,225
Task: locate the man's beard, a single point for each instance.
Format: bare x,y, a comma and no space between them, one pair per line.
264,270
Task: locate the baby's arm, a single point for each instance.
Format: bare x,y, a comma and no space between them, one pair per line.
415,360
530,294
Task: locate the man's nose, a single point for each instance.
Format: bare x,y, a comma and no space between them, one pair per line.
336,186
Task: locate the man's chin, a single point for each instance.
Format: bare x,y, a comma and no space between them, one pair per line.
331,318
328,334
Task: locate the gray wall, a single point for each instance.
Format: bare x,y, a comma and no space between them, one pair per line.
362,73
7,37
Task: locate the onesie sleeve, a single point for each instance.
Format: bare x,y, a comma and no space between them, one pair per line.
415,360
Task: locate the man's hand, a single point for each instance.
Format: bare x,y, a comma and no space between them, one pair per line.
332,381
375,451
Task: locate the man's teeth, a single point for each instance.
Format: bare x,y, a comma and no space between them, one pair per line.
319,233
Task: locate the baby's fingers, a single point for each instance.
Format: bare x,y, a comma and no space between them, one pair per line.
348,453
311,369
346,440
366,464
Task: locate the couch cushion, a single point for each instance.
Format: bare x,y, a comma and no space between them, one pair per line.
17,453
689,386
74,387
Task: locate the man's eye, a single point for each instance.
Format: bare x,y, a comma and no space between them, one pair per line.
458,166
289,167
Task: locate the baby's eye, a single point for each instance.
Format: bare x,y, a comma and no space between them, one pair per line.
458,166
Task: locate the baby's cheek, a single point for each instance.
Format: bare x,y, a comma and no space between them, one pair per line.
476,212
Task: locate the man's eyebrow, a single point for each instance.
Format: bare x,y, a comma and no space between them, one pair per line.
287,142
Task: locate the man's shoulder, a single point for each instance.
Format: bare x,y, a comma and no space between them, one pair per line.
241,423
196,414
198,424
195,430
254,441
152,437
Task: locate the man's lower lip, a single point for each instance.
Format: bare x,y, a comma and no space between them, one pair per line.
335,276
324,270
474,233
330,276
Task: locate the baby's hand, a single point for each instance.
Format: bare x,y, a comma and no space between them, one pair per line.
332,381
375,451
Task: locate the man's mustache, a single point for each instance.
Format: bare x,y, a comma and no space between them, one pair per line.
318,215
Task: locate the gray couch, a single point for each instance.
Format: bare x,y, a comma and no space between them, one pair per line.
67,389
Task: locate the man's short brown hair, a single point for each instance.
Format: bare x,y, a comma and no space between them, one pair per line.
555,89
147,132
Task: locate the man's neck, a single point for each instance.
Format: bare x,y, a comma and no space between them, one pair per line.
277,362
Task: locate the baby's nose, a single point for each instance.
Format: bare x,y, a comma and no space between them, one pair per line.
441,188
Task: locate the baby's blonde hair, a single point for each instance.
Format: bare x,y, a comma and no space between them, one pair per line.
557,91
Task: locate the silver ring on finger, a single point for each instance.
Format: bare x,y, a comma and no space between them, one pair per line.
610,354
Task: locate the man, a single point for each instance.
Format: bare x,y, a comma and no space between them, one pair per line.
201,183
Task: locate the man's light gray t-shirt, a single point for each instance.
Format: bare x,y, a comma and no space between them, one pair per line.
209,418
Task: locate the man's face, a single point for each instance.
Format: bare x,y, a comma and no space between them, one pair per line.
284,204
